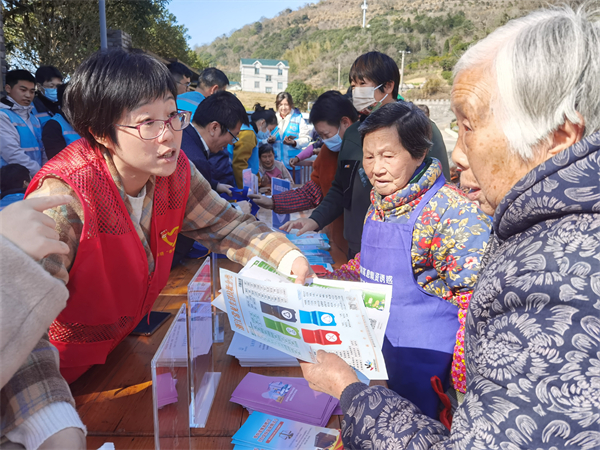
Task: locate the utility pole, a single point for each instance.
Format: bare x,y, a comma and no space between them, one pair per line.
364,8
102,10
402,70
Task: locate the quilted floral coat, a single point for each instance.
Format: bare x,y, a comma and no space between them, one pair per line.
532,332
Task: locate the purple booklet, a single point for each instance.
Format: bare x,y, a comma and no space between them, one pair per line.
286,397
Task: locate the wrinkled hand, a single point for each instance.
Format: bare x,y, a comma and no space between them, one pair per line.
330,374
293,161
224,188
26,226
261,200
271,139
304,225
301,269
289,140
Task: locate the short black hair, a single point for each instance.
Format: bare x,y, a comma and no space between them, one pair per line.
46,73
377,67
424,108
412,125
211,76
109,84
330,107
260,112
284,95
177,68
14,76
265,148
12,176
222,107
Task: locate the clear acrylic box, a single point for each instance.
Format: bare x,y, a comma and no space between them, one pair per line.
203,328
170,387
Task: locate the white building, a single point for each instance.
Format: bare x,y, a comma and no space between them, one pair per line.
264,75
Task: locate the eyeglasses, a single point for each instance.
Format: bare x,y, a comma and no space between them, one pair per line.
234,139
151,129
184,84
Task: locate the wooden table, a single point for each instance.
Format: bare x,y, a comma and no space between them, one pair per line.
114,400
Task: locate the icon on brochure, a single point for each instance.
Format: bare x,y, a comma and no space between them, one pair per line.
282,328
280,312
317,317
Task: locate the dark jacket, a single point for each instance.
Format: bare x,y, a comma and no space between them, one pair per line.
350,192
53,139
221,167
532,331
194,149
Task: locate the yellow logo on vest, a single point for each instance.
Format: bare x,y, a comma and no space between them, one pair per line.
166,234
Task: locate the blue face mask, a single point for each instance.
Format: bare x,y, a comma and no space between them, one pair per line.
334,143
262,135
51,94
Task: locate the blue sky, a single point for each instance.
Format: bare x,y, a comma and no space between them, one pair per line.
209,19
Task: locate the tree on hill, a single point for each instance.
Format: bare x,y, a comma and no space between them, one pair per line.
64,32
321,35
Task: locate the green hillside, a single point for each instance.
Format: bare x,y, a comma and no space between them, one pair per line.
318,37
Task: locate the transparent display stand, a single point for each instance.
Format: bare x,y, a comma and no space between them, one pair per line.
203,378
170,387
184,382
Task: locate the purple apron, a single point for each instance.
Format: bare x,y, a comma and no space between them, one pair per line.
421,333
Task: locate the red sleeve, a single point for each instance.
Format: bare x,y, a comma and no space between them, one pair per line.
301,199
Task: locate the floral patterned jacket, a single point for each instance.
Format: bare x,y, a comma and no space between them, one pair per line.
448,241
532,332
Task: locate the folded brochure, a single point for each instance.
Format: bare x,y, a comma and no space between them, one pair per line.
264,305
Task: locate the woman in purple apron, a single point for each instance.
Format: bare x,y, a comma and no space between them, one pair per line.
425,238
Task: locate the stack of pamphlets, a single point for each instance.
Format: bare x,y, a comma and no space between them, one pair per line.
286,397
265,432
251,353
345,318
314,246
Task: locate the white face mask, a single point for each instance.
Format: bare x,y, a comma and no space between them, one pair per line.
334,143
364,96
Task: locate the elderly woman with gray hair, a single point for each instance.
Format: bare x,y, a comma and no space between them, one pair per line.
527,100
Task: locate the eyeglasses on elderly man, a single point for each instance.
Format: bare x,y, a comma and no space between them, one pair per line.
527,101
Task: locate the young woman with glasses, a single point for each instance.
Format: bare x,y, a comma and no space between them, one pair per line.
134,191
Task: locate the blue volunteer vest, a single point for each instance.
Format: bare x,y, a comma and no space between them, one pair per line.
69,134
421,332
284,152
189,101
253,161
42,116
31,143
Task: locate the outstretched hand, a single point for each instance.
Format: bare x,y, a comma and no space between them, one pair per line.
25,224
261,200
304,225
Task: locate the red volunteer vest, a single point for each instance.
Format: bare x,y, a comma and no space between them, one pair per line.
110,288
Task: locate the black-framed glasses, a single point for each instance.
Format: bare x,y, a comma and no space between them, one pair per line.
151,129
234,139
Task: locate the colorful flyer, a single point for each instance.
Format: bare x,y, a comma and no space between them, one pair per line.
265,432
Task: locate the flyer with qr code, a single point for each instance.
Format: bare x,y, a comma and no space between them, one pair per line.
300,320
